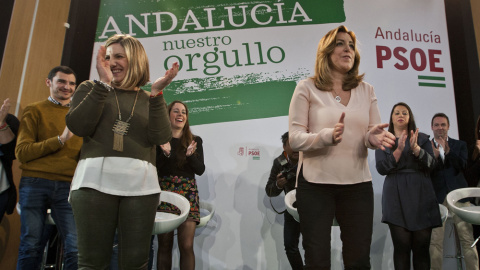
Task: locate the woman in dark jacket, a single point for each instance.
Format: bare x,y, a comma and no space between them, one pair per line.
8,134
472,173
409,204
178,161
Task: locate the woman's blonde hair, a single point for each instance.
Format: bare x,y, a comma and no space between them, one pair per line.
138,73
326,46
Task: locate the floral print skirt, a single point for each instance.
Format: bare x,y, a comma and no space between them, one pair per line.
185,187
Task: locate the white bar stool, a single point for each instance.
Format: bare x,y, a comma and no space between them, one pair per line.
167,222
443,212
204,219
470,214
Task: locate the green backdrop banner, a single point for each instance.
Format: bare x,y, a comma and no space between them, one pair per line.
239,60
155,18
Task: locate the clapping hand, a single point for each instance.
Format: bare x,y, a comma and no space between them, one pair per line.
436,150
413,139
4,111
443,142
164,81
103,66
6,134
381,138
401,141
66,135
166,149
338,130
413,142
191,148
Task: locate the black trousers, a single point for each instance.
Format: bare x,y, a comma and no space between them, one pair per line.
352,205
291,239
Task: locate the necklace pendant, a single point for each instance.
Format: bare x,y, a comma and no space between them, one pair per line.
338,99
120,129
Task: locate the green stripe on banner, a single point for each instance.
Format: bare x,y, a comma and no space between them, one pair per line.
144,18
239,102
420,77
432,84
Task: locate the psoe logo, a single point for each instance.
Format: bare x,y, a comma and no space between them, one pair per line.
249,152
422,56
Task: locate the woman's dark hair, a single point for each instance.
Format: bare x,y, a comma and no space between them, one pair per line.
411,119
186,138
477,137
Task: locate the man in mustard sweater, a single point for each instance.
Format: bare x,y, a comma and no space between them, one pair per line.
49,153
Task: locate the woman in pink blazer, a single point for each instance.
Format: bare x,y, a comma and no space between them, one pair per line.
333,120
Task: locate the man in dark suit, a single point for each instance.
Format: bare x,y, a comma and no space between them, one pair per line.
448,175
